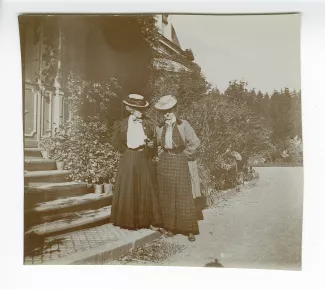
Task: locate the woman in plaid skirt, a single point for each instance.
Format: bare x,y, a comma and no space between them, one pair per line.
135,200
177,143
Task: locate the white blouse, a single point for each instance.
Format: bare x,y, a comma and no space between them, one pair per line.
169,133
135,134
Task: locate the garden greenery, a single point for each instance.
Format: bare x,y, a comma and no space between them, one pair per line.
238,120
86,149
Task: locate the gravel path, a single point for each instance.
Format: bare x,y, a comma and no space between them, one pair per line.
260,227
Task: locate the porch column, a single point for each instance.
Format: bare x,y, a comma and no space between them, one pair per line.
58,95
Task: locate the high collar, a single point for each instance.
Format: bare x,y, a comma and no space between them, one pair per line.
171,121
135,119
178,122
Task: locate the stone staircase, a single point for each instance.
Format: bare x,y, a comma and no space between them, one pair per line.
53,204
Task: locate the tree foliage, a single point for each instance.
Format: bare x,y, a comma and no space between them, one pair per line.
240,119
89,99
189,54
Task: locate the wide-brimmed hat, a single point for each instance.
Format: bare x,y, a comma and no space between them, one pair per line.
166,103
137,101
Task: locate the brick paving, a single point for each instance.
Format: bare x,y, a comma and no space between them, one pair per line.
40,251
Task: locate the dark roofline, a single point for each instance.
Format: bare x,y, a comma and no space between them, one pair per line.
171,44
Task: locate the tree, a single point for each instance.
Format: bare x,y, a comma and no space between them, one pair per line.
236,91
189,54
281,114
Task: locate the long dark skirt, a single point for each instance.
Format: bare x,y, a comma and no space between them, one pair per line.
135,200
175,194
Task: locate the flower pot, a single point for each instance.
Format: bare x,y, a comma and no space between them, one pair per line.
60,165
45,154
108,187
98,188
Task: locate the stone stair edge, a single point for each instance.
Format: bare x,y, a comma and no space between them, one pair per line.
67,183
45,173
33,149
82,219
54,205
54,187
37,160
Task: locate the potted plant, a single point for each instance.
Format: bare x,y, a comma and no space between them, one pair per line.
58,148
98,188
58,156
108,185
98,184
45,145
60,164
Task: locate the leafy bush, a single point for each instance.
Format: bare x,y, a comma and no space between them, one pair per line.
289,151
89,99
86,150
83,141
222,122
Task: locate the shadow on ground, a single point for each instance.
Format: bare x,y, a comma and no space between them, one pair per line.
35,245
215,264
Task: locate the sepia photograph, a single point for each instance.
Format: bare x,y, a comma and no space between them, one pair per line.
162,140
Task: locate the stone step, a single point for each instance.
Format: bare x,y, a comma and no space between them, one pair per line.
38,178
39,194
35,152
56,209
71,203
72,221
34,158
39,164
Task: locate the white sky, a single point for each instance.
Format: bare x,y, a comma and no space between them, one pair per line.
264,50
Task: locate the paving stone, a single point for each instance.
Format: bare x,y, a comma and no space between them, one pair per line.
28,262
55,256
37,262
78,241
46,258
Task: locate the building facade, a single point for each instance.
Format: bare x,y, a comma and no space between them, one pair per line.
95,52
168,45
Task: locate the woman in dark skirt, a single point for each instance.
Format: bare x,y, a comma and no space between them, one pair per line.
135,200
177,143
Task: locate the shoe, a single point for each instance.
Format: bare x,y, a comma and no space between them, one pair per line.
191,237
163,231
170,234
154,228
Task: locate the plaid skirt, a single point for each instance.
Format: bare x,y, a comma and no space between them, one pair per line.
175,194
135,202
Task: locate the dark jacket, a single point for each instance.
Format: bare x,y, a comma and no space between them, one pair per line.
119,136
191,141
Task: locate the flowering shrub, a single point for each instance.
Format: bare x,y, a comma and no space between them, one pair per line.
86,150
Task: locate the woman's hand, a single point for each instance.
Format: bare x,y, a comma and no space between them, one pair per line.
150,144
160,150
155,160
